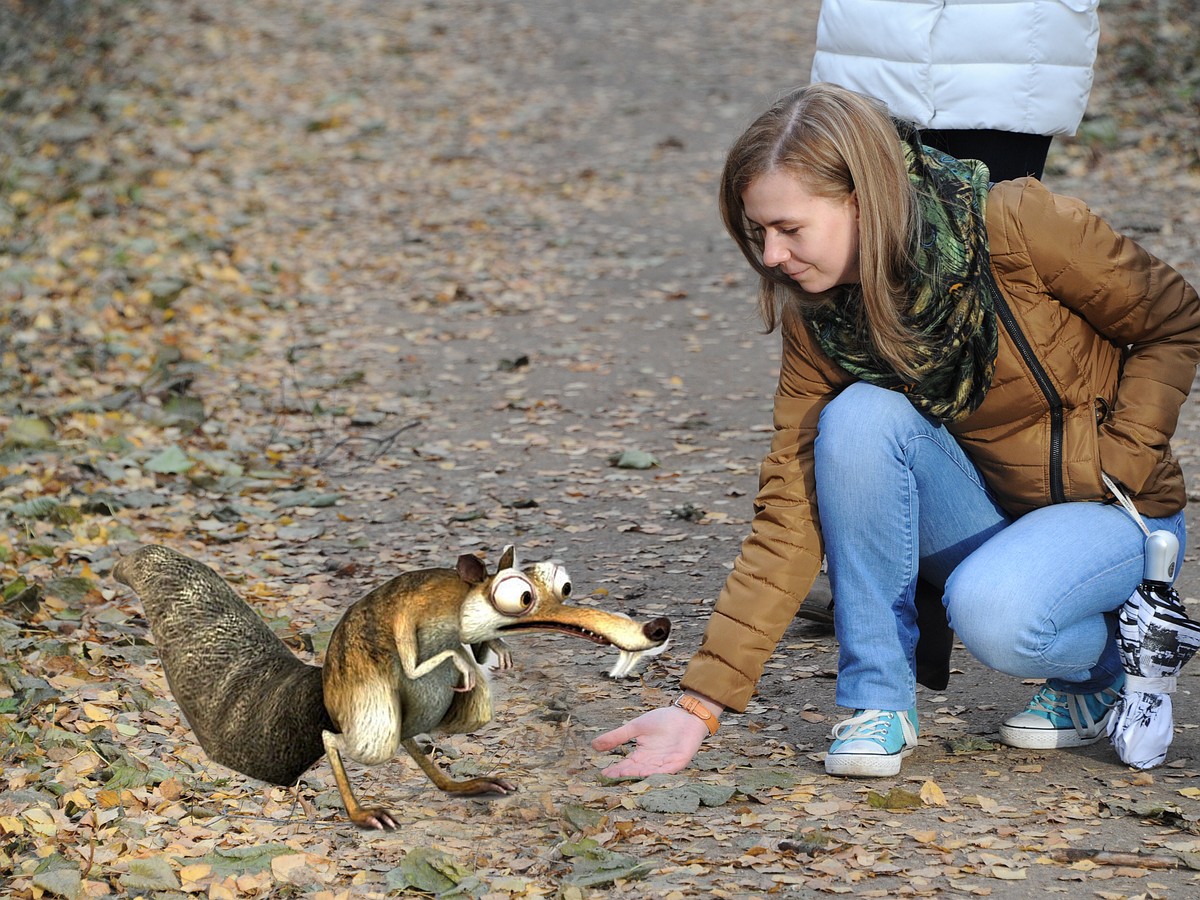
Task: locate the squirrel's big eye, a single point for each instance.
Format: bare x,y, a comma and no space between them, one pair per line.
560,582
512,594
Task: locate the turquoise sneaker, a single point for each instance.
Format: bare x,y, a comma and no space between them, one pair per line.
872,742
1058,719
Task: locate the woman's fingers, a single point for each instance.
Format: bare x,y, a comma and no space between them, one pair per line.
667,739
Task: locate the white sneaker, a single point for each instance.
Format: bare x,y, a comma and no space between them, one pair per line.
871,743
1057,719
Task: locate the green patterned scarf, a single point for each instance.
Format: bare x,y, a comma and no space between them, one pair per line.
952,296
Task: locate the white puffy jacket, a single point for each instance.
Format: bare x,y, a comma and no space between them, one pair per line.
1011,65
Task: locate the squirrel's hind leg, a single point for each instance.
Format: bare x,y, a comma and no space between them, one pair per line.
370,734
378,818
473,786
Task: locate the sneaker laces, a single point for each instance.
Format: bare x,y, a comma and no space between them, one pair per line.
873,725
1049,701
1060,704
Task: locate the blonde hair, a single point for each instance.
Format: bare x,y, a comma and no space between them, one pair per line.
838,143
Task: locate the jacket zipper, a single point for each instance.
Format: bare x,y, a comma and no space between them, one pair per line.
1057,494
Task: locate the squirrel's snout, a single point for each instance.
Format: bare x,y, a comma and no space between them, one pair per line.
657,630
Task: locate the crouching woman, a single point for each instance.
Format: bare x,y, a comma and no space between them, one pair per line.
962,365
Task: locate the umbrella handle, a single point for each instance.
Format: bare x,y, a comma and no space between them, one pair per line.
1162,552
1162,547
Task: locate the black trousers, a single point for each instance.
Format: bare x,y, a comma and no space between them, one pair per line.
1007,154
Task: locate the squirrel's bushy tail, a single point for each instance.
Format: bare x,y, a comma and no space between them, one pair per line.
254,706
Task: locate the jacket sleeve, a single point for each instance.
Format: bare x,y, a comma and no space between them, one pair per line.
1135,300
782,555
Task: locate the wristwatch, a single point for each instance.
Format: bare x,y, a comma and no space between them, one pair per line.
699,710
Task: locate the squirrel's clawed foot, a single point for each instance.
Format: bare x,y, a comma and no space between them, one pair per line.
381,819
378,819
477,787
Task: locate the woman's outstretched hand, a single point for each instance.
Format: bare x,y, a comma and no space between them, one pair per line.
667,739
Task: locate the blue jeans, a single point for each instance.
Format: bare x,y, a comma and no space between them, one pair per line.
1034,597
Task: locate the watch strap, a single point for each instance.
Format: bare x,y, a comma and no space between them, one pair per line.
697,708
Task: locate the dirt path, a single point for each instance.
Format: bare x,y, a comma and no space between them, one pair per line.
563,292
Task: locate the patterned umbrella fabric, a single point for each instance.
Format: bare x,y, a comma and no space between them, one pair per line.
1156,639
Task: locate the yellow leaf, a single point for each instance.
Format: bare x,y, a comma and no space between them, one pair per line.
11,825
1191,792
79,798
254,885
108,799
1009,874
801,795
932,795
96,713
40,822
984,803
292,867
195,872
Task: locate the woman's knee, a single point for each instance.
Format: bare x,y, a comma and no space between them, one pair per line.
862,416
1001,634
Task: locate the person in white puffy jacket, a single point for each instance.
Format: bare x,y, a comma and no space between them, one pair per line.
992,80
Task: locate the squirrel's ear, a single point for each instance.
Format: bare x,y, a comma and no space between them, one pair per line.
471,569
508,559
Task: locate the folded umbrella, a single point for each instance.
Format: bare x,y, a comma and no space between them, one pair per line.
1156,639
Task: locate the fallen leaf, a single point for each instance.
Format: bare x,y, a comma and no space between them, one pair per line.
1008,874
153,873
931,794
895,799
171,461
633,459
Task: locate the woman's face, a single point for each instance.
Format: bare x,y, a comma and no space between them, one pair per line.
812,240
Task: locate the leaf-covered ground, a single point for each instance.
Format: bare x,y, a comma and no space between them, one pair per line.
316,292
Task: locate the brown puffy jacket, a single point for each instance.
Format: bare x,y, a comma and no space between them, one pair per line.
1098,351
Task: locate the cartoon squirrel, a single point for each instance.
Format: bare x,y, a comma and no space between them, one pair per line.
403,661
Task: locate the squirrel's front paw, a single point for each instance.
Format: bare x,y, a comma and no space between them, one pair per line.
468,680
502,652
